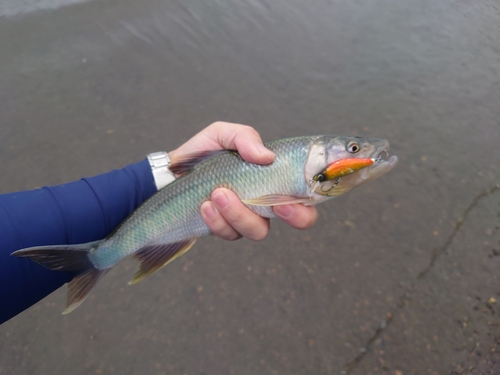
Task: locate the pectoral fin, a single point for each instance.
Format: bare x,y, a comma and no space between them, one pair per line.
154,257
275,200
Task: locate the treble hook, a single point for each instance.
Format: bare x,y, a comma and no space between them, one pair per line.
332,187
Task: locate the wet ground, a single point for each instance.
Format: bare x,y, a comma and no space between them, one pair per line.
400,276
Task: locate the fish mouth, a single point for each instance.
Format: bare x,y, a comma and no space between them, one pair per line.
382,163
381,155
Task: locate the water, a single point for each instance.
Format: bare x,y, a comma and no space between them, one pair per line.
92,86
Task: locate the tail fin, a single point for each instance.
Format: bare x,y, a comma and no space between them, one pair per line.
68,258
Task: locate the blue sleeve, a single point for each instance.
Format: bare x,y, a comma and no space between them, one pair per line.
77,212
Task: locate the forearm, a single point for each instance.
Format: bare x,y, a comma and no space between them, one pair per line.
77,212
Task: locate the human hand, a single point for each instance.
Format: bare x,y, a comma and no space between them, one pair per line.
224,214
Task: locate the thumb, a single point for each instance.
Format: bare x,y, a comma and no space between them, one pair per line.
246,140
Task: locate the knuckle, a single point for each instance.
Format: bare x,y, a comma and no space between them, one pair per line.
235,218
247,130
221,227
217,124
215,225
218,127
225,231
233,212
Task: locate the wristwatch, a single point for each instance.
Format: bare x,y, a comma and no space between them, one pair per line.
159,162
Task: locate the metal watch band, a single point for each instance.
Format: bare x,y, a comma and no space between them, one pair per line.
159,162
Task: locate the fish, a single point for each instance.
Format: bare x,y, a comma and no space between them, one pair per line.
169,223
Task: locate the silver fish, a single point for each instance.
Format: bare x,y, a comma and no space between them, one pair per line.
169,223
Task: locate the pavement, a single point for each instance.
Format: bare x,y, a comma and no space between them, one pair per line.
399,276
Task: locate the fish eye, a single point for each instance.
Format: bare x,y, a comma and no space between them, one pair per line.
353,147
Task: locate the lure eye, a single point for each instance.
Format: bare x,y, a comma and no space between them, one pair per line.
353,147
319,177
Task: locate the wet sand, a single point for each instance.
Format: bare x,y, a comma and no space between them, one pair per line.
397,277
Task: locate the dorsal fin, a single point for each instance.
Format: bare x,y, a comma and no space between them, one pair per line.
185,164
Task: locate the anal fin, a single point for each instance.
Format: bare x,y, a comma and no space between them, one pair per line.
153,257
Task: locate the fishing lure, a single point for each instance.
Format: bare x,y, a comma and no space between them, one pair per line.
342,167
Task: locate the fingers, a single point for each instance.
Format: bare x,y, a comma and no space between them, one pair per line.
245,139
216,222
297,215
229,219
224,135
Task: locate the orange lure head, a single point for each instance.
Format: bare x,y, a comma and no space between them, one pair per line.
342,167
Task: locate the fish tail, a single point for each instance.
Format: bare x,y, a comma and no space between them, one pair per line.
73,258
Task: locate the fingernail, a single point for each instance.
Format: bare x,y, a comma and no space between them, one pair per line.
208,210
220,200
286,211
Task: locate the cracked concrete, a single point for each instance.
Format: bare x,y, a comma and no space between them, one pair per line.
436,253
485,337
89,87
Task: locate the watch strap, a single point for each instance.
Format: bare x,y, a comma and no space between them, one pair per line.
159,162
